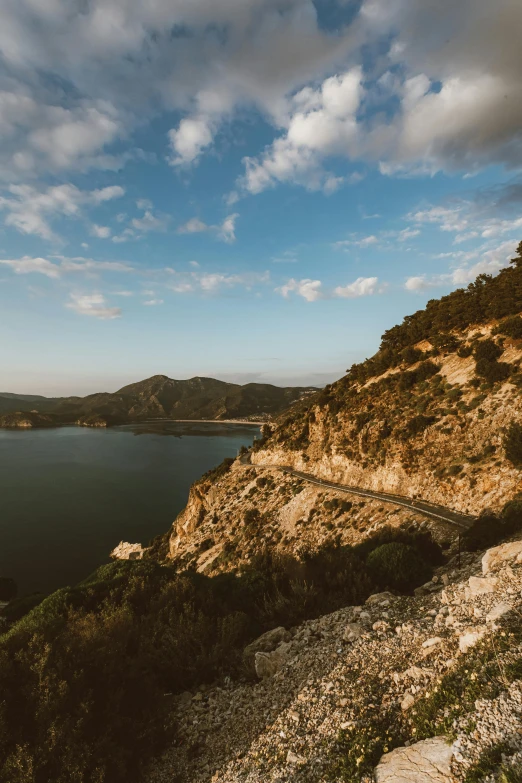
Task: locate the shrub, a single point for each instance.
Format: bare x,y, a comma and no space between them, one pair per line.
511,327
421,540
465,351
398,566
487,350
492,371
418,424
513,444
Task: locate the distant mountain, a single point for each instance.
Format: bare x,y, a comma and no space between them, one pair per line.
161,397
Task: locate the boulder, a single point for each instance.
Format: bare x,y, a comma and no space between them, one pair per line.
470,638
425,762
379,598
126,551
352,632
481,585
266,643
495,557
269,663
498,611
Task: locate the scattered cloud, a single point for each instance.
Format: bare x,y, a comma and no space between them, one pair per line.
93,305
153,302
30,210
28,265
467,267
149,222
363,286
312,290
101,232
226,231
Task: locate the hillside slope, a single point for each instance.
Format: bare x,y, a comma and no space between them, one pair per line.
161,397
436,414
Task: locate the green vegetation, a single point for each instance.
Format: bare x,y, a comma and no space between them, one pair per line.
513,444
485,299
511,327
479,675
398,566
83,675
488,763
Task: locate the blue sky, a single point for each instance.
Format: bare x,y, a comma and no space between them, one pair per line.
245,189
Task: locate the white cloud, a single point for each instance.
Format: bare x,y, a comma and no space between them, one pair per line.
193,226
363,286
188,141
491,261
27,265
312,290
101,232
107,194
149,222
319,123
153,302
30,210
307,288
226,231
93,305
419,283
144,204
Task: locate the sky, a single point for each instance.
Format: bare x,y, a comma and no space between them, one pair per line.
252,190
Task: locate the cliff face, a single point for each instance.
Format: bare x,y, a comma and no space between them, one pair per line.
428,417
457,460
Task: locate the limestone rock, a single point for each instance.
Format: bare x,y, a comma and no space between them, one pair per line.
470,638
481,585
425,762
407,702
379,598
266,643
126,551
498,611
352,632
294,758
494,557
268,664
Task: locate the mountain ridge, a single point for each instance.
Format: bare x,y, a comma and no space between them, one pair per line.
157,397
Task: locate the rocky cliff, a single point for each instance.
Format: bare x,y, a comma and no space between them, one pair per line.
436,414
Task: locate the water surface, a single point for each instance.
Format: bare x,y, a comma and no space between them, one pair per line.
69,495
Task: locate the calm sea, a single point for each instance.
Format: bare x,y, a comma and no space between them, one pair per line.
69,495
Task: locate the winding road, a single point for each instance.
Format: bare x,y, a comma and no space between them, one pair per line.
440,513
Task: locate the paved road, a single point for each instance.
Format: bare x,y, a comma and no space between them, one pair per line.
440,513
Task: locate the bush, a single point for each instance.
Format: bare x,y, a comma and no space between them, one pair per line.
398,566
421,540
513,444
487,350
511,327
465,351
417,424
492,371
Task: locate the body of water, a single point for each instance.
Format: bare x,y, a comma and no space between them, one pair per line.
69,495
